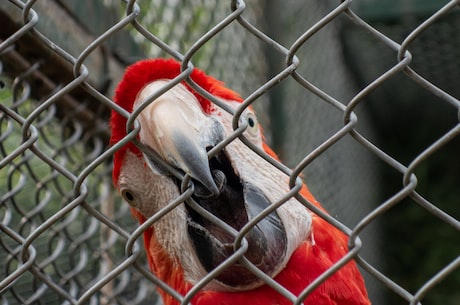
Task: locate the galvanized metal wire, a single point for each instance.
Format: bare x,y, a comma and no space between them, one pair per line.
66,237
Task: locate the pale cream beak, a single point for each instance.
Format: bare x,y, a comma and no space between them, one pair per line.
175,127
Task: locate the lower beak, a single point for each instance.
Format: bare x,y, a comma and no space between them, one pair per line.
237,203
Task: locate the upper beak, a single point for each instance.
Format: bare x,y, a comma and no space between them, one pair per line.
177,129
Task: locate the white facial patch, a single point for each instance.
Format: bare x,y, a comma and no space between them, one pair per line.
274,184
178,109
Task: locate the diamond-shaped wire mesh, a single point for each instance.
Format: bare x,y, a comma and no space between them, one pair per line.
40,166
66,237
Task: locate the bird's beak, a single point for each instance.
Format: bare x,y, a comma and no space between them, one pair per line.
180,132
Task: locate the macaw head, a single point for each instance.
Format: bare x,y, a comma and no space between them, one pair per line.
234,183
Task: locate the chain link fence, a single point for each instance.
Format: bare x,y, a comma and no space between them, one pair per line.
362,98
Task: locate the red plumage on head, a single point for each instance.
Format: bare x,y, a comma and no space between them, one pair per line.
139,75
314,256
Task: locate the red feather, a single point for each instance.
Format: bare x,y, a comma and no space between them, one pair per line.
345,287
311,259
140,74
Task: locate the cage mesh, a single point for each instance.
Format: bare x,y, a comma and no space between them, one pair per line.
333,86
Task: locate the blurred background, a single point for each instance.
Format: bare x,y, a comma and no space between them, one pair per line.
410,242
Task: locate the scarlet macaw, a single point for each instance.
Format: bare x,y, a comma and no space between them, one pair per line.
292,245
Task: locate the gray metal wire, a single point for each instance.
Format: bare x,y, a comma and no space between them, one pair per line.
66,236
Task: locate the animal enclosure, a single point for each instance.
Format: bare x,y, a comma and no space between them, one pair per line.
361,99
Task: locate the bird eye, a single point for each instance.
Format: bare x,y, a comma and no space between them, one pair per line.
129,197
251,122
253,125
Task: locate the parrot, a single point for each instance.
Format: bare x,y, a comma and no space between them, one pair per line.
291,244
